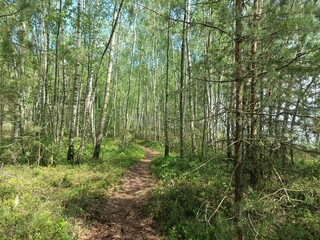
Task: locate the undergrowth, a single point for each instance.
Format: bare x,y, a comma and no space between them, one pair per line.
157,146
194,200
47,202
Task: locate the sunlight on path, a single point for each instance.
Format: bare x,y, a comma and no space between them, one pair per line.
125,215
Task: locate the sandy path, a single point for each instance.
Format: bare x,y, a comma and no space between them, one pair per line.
124,212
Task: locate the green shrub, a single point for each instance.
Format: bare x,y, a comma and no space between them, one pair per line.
30,217
191,190
188,194
39,202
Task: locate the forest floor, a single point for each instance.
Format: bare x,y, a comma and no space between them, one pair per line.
123,215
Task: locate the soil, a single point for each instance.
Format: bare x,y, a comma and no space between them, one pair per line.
123,214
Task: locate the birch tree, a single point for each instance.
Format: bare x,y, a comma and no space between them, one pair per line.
102,128
76,90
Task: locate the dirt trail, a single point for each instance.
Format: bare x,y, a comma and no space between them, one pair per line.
124,213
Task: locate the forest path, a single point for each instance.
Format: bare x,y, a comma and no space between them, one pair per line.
124,214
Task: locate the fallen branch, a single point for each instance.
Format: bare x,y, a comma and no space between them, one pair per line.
216,210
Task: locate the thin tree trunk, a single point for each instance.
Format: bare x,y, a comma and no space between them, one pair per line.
78,116
126,115
17,118
116,119
147,116
254,173
137,124
43,84
166,128
103,119
88,102
115,115
190,82
88,106
211,105
46,75
154,86
239,117
56,95
76,92
271,130
64,100
182,79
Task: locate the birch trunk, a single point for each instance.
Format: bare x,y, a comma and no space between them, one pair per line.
166,128
103,120
182,79
76,92
126,115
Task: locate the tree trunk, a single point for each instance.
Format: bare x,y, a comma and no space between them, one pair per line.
239,116
182,79
206,101
137,124
76,92
56,95
126,115
190,82
154,87
103,119
166,128
114,107
254,172
63,100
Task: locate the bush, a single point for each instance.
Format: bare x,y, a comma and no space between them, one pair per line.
189,193
185,204
39,202
32,217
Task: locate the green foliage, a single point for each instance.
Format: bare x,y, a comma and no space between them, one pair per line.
189,192
158,146
28,208
194,200
31,219
279,211
55,154
37,73
47,202
182,211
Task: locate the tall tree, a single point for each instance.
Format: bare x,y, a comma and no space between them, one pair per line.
126,114
182,77
239,114
166,127
103,119
254,174
76,89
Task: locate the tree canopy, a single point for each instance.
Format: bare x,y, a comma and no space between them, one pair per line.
239,77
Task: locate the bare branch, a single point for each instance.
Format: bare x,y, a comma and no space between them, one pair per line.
216,210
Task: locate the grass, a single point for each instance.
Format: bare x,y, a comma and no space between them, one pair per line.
47,202
157,146
194,200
